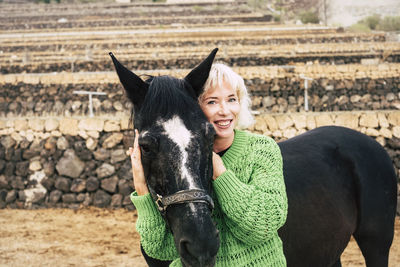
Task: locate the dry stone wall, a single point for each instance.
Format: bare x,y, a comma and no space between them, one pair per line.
79,161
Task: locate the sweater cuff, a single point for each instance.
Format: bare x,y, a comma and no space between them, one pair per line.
144,205
226,186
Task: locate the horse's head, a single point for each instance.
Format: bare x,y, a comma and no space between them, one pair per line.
176,143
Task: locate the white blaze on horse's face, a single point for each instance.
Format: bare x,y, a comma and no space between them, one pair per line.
179,134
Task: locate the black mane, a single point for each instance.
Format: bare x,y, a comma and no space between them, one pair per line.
166,96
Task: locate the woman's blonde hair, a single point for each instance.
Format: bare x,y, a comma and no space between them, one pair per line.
220,73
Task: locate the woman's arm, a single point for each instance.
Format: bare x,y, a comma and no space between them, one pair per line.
257,209
155,237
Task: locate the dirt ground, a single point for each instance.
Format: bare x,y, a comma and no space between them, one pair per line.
94,237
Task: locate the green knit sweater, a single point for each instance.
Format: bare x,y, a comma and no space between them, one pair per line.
250,206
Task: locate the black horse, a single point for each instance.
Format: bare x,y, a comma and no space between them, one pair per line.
339,182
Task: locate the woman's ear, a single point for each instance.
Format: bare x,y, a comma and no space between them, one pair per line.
199,75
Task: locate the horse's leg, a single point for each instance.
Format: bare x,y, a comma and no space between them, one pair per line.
337,264
375,249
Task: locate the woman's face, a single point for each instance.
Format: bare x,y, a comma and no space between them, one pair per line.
221,107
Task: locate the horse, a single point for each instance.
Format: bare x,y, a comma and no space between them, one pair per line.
339,182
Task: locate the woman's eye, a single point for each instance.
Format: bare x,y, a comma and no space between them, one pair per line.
232,99
211,102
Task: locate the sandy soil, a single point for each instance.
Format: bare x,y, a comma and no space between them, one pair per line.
94,237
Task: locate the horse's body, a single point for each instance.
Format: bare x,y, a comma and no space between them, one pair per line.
339,182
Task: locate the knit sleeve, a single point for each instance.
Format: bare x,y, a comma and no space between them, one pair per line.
155,237
257,209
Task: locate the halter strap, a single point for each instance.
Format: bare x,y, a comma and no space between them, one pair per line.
180,197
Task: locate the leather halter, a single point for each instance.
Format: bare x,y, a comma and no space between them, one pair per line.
181,197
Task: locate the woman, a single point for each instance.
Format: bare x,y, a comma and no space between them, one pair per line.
247,179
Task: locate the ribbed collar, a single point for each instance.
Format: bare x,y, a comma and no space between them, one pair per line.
237,147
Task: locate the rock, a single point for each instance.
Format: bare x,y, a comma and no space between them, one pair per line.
125,170
69,127
35,166
118,106
111,126
394,118
118,155
355,98
268,101
80,197
300,121
383,122
48,168
116,201
110,184
69,198
127,201
124,188
112,140
11,196
349,120
372,132
289,133
38,193
36,124
369,120
62,143
92,184
55,196
4,184
91,144
125,124
63,184
396,131
17,183
101,154
78,185
51,125
310,122
283,122
91,124
105,170
48,183
323,120
7,142
22,168
70,165
93,134
21,125
390,97
386,133
101,199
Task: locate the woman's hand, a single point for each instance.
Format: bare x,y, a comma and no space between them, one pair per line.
218,166
139,181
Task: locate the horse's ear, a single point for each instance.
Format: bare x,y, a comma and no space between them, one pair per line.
135,87
199,75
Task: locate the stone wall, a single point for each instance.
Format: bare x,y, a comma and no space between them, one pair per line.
269,95
77,161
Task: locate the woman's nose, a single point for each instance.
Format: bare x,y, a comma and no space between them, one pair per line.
223,108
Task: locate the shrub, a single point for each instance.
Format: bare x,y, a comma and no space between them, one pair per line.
389,23
372,21
309,16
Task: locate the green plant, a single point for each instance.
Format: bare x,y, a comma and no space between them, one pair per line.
309,16
197,8
359,27
372,21
389,23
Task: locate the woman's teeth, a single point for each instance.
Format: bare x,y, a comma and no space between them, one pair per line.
223,123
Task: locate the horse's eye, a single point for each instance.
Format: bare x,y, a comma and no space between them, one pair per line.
148,146
145,148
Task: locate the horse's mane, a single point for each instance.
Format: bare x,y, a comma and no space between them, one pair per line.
166,96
